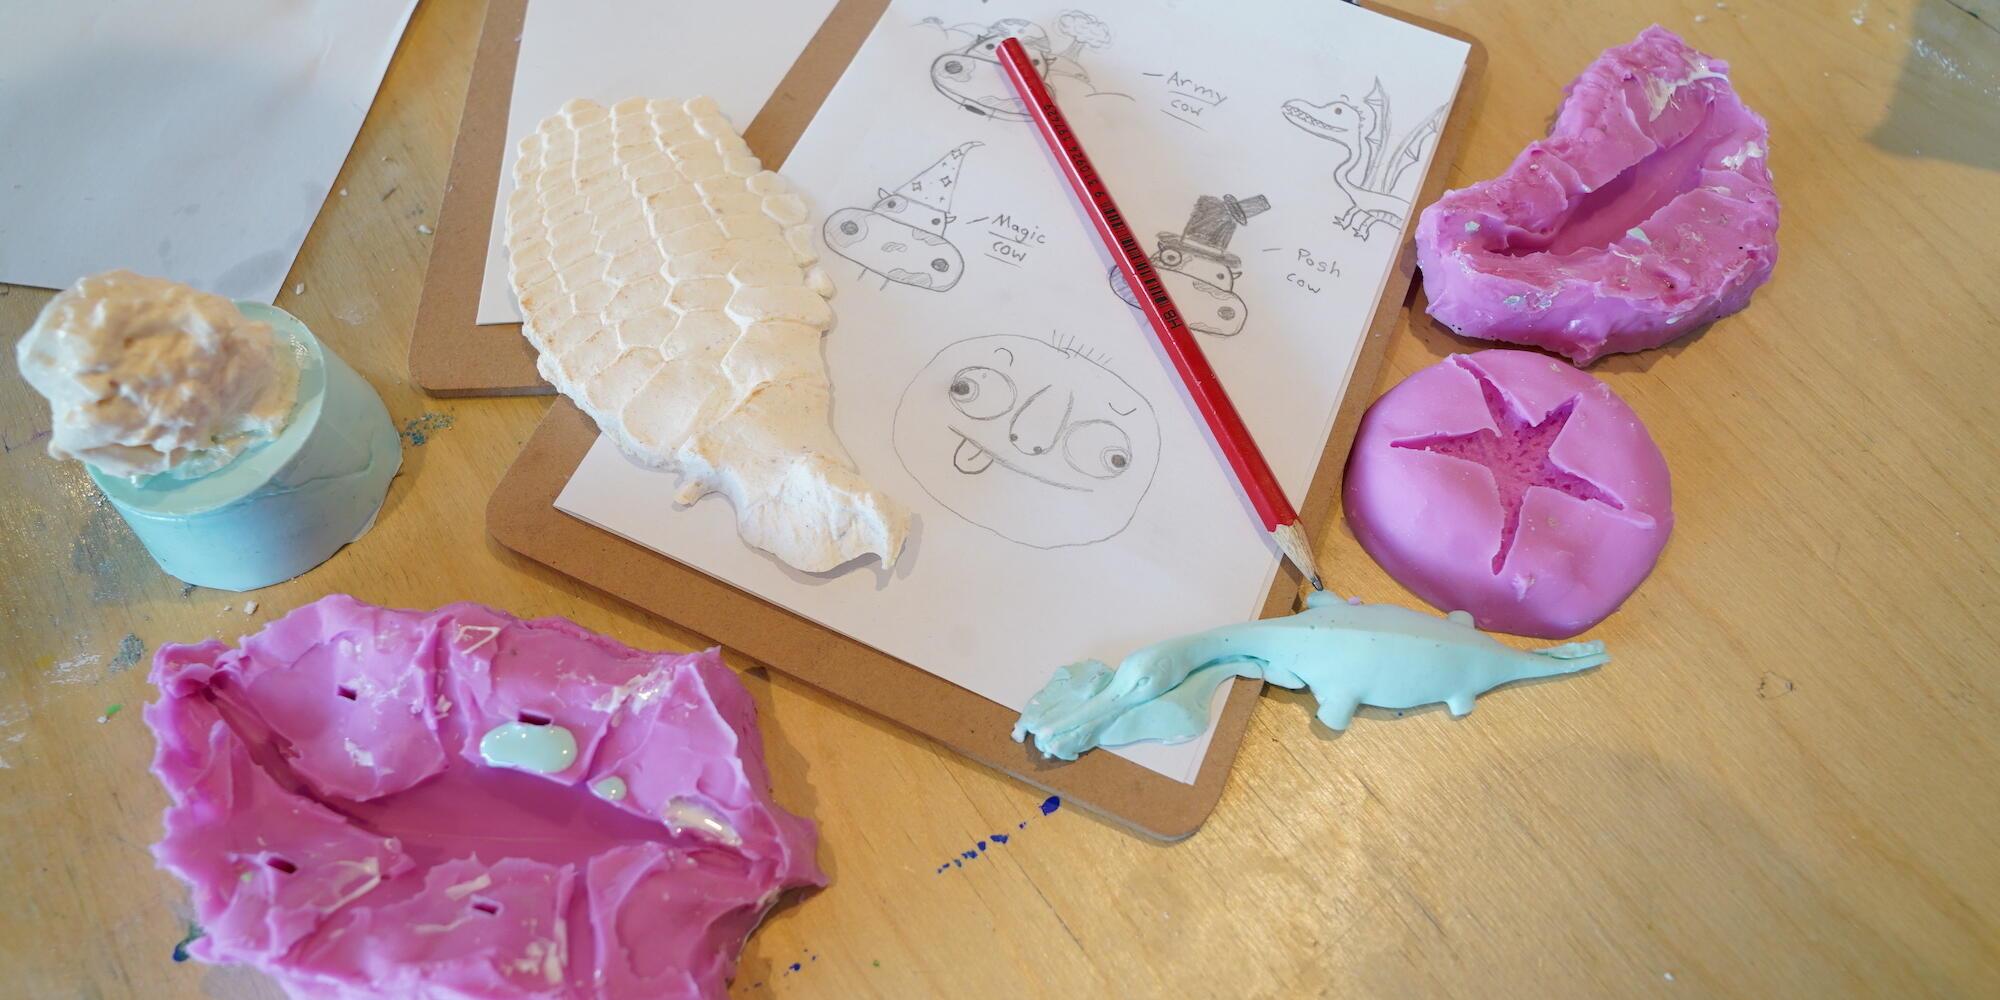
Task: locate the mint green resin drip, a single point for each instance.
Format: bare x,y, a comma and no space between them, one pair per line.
541,749
611,789
1349,655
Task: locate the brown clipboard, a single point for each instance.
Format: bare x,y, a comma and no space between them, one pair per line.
522,515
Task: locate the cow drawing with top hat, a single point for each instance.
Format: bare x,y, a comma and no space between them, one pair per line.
1197,268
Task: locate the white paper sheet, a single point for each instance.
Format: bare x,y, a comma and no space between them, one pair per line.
194,140
609,50
1092,516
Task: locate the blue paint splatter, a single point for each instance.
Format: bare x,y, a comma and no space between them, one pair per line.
979,848
794,967
417,431
194,933
7,443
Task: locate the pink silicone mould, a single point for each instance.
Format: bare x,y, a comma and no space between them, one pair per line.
1512,486
1647,212
340,829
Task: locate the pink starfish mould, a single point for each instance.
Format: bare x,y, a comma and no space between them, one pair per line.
1524,448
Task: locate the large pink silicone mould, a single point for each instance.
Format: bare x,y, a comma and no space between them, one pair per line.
340,829
1647,212
1512,486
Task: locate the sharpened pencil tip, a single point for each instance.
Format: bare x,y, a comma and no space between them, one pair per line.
1316,584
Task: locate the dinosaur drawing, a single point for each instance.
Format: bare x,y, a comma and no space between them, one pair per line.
1374,171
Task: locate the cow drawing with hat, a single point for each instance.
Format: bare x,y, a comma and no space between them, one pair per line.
970,75
902,235
1197,268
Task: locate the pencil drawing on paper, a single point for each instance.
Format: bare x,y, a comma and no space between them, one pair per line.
1197,268
971,77
901,237
1373,175
1037,441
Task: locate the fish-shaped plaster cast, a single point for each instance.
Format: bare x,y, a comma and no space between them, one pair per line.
668,282
1348,654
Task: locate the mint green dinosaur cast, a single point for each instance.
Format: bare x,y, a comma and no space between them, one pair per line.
1348,654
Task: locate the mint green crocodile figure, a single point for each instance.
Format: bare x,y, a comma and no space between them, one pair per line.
1348,654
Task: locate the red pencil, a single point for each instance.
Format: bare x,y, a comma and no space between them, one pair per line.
1252,472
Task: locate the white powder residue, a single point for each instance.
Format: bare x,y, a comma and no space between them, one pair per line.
13,729
76,669
371,876
1950,67
486,633
467,888
428,929
682,814
1750,151
637,691
1926,51
1660,93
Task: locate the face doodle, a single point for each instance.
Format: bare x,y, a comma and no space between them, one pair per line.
1034,442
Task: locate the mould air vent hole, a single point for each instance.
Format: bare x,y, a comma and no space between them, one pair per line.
281,865
486,906
534,718
346,692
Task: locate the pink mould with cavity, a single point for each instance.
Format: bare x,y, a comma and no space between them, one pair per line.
343,824
1646,212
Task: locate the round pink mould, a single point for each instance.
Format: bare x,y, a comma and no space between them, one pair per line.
1512,486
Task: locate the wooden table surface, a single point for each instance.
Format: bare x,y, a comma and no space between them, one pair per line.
1784,786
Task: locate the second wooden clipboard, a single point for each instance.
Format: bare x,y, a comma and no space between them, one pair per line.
522,513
